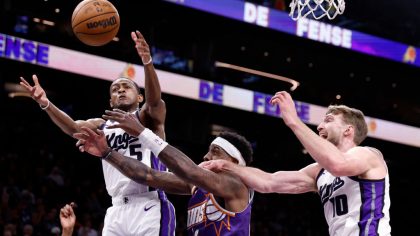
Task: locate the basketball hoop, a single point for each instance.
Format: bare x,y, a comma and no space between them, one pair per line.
316,8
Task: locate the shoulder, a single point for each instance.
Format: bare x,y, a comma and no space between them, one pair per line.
96,121
373,159
312,170
366,151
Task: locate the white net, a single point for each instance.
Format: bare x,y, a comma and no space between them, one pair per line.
316,8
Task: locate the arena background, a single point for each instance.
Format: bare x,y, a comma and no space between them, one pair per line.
41,169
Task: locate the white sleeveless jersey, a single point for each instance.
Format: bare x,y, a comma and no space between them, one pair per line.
353,206
116,183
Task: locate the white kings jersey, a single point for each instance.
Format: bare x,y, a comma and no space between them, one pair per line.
353,206
116,183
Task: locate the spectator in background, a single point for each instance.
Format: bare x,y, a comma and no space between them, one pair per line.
28,230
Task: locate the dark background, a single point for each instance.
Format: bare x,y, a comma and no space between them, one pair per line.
34,151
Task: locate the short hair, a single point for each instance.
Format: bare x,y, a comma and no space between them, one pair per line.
241,143
139,90
353,117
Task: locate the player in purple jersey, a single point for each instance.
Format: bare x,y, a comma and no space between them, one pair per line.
352,180
220,203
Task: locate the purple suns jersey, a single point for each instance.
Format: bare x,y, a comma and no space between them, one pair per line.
207,218
354,206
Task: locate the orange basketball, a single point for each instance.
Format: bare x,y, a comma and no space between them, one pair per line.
95,22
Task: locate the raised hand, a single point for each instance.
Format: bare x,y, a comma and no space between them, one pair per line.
287,107
142,47
126,121
67,218
91,142
36,91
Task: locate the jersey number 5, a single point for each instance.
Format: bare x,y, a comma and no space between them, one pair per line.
134,151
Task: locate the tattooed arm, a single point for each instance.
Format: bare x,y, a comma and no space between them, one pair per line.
143,174
95,144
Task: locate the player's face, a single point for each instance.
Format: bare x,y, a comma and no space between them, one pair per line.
124,95
332,128
216,153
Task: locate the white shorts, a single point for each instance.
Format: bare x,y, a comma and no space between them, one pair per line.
148,214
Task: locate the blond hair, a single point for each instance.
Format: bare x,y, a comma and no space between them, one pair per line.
354,117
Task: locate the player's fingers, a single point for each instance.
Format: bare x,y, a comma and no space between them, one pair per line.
134,36
111,115
81,136
204,164
89,131
114,126
273,99
27,87
139,35
100,132
287,95
35,78
24,82
279,93
106,117
66,209
81,141
73,205
118,111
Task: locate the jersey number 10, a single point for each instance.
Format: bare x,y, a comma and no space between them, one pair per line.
340,205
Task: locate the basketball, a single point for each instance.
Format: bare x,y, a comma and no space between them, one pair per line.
95,22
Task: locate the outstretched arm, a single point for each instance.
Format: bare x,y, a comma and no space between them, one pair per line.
143,174
154,109
95,144
221,185
60,118
292,182
355,161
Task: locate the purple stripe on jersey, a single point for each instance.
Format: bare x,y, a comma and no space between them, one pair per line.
167,221
373,193
156,163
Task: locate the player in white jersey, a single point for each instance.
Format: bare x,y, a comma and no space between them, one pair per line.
136,209
351,180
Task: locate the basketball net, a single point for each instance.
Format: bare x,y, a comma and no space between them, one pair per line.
316,8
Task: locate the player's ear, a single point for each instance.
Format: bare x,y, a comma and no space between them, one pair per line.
140,98
349,130
110,103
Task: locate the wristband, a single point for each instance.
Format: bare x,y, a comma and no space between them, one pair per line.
46,107
148,62
152,141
